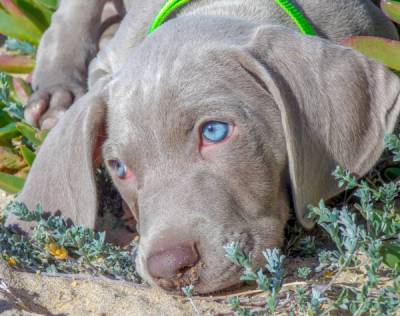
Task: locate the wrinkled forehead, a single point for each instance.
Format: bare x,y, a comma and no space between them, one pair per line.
179,54
175,70
183,81
174,97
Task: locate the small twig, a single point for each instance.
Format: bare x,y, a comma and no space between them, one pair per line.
328,310
296,283
194,306
333,280
4,287
88,277
10,295
247,293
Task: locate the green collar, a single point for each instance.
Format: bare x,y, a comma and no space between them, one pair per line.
295,14
169,7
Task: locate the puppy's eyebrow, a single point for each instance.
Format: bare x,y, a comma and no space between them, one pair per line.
110,149
219,107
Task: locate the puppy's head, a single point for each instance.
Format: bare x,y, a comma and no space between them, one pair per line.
196,148
213,127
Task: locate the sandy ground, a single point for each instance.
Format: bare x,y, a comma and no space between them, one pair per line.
37,294
33,294
23,293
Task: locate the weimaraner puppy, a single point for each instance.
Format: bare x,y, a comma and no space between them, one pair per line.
212,126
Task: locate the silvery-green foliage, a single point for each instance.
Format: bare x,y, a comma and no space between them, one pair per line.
303,272
87,250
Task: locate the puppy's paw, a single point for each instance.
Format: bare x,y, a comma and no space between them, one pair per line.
46,106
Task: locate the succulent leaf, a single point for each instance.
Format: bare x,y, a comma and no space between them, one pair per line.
21,90
19,27
29,132
391,9
29,155
9,131
49,4
37,14
16,64
10,161
382,50
391,255
10,183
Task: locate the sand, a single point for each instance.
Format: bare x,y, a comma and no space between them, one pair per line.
33,294
25,293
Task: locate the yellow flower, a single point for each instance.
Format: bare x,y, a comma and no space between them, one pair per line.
57,251
11,262
328,275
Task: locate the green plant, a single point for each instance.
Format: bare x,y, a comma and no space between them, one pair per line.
365,233
375,236
272,285
303,272
18,140
24,22
188,292
381,49
55,246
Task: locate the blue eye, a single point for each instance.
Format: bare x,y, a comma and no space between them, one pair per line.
215,131
120,167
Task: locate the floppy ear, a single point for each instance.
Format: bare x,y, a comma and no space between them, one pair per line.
62,176
335,104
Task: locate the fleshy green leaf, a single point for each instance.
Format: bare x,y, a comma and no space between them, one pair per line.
9,131
5,119
38,15
19,28
49,4
391,255
382,50
10,183
23,173
391,9
29,155
30,133
392,173
25,11
10,162
16,64
12,8
41,135
21,90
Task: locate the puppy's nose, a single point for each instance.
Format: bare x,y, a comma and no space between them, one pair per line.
172,264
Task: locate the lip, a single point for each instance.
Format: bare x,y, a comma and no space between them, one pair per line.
222,281
202,289
190,278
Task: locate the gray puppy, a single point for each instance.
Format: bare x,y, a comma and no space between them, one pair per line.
212,126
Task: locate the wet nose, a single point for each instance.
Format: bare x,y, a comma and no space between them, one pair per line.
173,263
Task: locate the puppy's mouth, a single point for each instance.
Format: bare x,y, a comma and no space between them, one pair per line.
185,277
228,278
192,277
208,276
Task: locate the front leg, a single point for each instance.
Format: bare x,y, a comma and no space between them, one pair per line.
63,56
